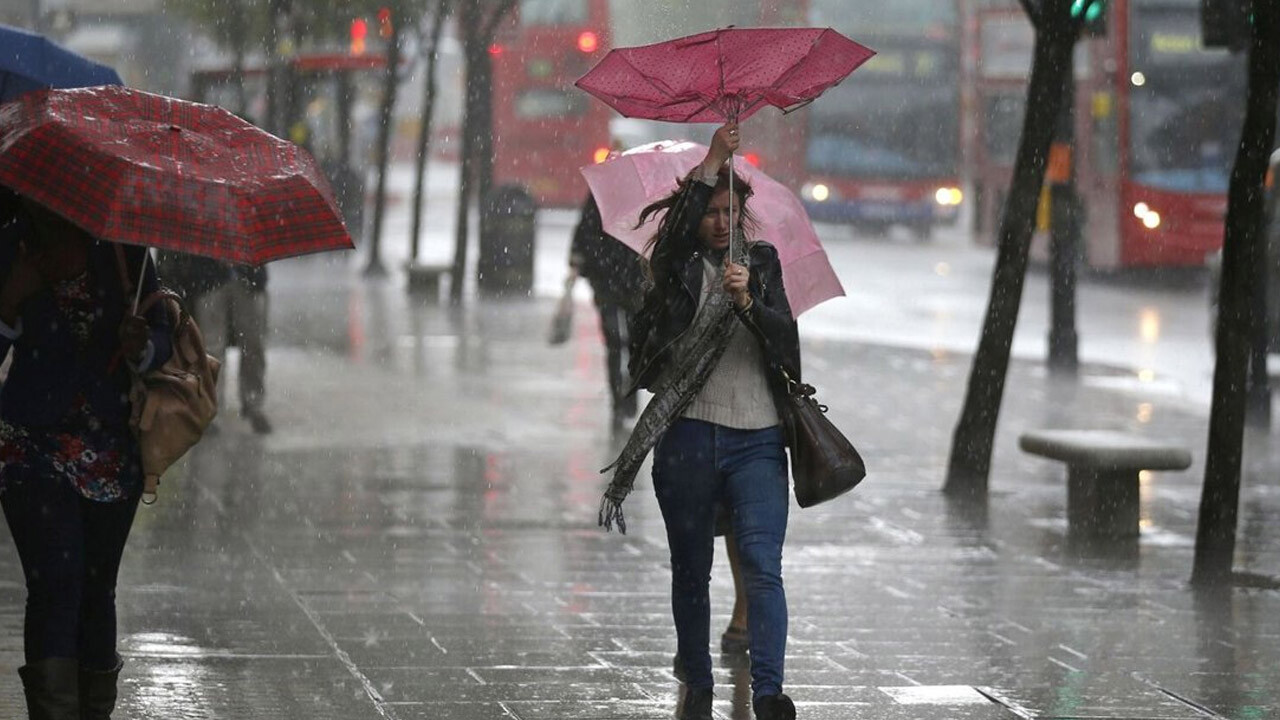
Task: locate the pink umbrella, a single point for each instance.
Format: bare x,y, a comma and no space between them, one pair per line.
724,74
625,184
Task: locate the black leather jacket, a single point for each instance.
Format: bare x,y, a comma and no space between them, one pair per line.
670,305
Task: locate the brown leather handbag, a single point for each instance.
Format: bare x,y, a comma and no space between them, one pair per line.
173,404
824,464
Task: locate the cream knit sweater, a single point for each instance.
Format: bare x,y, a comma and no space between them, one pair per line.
737,392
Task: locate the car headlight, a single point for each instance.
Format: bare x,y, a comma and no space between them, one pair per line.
818,192
948,196
1149,217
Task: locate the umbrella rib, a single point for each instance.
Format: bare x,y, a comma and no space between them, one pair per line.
791,70
720,61
652,83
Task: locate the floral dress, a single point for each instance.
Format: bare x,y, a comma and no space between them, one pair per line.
101,463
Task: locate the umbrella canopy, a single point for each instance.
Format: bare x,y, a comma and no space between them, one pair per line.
725,74
624,185
29,61
133,167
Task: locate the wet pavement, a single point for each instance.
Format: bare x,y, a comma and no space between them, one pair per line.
418,540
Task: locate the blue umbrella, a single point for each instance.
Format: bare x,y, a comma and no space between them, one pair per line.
29,61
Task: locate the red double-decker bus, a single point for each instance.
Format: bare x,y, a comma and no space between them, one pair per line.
544,128
884,147
1158,119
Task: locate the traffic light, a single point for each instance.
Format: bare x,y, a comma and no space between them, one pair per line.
1093,16
1225,23
359,30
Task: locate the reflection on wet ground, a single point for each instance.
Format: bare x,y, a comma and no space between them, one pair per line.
418,540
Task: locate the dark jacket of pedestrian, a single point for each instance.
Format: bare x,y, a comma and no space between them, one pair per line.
668,310
52,365
615,271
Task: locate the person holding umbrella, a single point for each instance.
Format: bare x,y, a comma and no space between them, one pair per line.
70,472
709,330
104,173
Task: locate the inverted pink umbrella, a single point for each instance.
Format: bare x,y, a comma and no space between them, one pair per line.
724,75
624,185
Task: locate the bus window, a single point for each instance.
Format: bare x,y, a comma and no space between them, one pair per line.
543,103
1184,124
553,12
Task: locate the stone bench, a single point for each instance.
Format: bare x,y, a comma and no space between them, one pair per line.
426,279
1102,474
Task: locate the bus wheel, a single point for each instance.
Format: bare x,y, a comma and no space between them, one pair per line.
923,232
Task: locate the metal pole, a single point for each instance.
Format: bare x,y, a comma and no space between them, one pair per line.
1064,242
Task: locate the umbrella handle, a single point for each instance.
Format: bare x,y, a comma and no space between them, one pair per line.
732,255
137,293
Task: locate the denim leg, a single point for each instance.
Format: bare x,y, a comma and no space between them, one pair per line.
756,488
44,518
684,479
108,525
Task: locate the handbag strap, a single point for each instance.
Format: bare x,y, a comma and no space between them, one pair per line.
797,389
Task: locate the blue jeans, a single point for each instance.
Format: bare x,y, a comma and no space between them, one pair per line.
697,465
70,548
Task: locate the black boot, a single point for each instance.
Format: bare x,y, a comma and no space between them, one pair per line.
775,707
697,704
98,692
52,689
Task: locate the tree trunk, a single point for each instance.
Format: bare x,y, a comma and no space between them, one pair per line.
469,23
386,119
970,462
483,128
1219,499
424,129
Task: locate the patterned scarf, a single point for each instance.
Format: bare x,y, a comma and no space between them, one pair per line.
697,353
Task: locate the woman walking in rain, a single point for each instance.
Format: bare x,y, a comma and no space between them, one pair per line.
711,327
70,472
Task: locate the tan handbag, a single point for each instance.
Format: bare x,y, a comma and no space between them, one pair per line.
174,403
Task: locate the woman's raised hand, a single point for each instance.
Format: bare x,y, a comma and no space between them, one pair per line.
735,283
724,143
134,334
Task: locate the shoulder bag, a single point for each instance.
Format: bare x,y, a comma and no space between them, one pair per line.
173,404
824,464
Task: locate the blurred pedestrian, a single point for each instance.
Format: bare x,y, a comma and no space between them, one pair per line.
710,328
616,276
70,468
229,303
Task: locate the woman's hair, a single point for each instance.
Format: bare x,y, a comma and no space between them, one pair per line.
665,248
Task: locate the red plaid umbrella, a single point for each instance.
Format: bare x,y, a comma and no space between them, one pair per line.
724,74
143,169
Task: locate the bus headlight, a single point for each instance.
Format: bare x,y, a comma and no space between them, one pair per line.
1150,218
948,196
817,192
